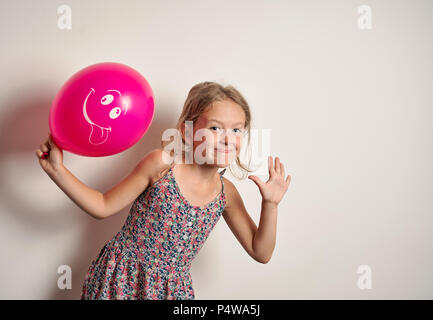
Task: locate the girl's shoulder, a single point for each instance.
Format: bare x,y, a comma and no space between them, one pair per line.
161,163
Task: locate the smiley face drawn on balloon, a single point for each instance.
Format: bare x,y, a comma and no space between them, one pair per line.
108,109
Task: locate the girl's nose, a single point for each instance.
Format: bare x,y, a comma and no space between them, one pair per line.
230,139
227,136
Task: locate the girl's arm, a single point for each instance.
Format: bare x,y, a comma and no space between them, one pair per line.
93,202
265,237
134,184
89,200
239,221
51,161
103,205
258,242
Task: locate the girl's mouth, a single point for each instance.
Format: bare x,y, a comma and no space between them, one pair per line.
224,150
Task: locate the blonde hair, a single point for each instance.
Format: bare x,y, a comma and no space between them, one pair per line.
201,96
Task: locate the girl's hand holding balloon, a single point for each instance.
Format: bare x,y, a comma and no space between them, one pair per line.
50,156
274,189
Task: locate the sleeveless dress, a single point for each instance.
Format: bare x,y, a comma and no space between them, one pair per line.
150,257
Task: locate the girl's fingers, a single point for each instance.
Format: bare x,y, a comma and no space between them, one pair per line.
271,166
50,143
43,147
42,155
53,145
277,165
282,170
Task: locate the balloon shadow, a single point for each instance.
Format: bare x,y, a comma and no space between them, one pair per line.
23,128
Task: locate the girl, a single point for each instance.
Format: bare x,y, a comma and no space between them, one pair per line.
176,202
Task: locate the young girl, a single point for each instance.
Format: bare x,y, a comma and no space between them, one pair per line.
176,203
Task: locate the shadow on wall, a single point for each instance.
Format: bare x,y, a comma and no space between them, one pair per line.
23,129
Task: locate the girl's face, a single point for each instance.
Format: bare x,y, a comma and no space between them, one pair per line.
218,134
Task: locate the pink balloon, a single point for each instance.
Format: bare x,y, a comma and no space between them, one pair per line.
101,110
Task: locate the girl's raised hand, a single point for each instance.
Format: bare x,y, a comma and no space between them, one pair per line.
274,189
50,156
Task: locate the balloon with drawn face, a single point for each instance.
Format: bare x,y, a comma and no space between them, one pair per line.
101,110
100,117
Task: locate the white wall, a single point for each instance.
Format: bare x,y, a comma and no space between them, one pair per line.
350,116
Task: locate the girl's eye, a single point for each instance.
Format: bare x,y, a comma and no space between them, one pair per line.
236,130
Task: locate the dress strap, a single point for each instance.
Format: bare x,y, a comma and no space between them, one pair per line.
222,180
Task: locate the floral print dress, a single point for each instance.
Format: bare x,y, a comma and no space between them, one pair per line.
150,257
